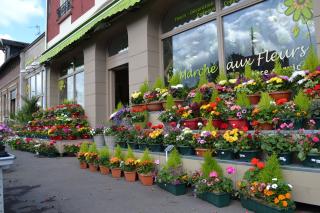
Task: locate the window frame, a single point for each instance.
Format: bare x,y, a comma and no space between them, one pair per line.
216,16
43,95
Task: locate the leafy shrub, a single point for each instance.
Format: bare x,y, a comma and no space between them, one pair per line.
209,165
271,170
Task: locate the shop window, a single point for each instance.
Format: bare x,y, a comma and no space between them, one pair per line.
187,53
118,44
13,97
71,85
259,34
37,87
187,11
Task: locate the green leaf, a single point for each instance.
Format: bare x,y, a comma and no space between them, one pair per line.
288,3
307,13
289,11
296,31
297,15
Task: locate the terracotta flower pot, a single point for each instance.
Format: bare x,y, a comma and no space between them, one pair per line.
138,107
116,172
93,168
177,102
215,123
254,99
154,106
130,176
104,170
237,123
83,165
281,95
200,151
265,126
146,180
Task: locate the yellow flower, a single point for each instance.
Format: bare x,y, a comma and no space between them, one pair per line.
135,95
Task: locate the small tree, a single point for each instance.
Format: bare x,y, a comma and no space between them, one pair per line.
174,160
265,101
144,87
242,100
311,62
302,101
203,79
197,98
248,71
93,148
271,170
169,102
146,156
158,83
174,80
209,165
84,147
130,154
118,152
214,95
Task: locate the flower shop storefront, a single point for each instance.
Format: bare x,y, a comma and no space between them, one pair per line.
239,79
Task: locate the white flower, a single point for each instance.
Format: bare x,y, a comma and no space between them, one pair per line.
297,73
274,179
290,186
301,81
200,124
274,186
166,135
233,81
268,187
223,82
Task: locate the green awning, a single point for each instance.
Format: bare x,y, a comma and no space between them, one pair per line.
117,7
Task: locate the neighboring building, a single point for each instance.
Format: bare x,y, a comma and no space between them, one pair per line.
33,80
9,78
101,51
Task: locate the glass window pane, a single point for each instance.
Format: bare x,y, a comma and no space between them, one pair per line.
186,11
118,44
66,70
33,86
80,88
44,89
62,84
188,52
70,88
229,3
256,35
38,84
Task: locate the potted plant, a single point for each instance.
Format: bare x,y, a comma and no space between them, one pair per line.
264,113
109,136
5,131
170,112
92,158
104,160
204,141
212,186
263,189
315,112
308,147
152,97
155,138
190,114
129,166
71,150
139,116
239,112
137,100
142,139
184,142
115,162
122,136
171,135
47,150
312,84
176,90
278,87
302,103
171,177
248,146
146,168
98,136
225,145
279,144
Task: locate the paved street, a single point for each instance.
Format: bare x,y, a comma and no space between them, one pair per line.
36,185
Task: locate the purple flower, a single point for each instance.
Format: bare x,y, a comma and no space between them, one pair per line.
213,174
231,170
239,114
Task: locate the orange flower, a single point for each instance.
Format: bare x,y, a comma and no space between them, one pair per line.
268,192
284,203
276,201
288,195
281,197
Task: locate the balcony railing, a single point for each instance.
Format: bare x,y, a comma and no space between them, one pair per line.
64,8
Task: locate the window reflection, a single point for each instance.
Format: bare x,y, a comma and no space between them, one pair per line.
229,3
189,51
257,33
80,88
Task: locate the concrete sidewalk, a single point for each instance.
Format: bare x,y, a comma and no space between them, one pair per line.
57,185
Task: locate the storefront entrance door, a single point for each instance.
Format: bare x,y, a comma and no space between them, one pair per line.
121,75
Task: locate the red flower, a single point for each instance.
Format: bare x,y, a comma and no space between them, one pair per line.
254,161
149,124
224,126
281,101
173,124
317,87
308,91
260,165
137,127
160,126
254,123
245,128
218,99
249,136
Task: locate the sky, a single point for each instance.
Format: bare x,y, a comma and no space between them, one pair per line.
18,19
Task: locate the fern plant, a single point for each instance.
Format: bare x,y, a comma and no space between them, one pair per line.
130,153
169,102
144,87
214,95
209,165
174,160
118,152
30,106
197,98
203,79
248,72
242,100
302,101
271,170
265,101
311,61
159,83
93,148
84,147
222,76
174,80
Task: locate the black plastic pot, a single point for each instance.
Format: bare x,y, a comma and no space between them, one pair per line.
155,147
285,158
312,160
122,145
186,150
3,152
225,154
143,146
133,145
246,156
217,199
178,189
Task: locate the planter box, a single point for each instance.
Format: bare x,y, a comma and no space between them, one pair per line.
155,147
142,146
258,207
179,189
122,145
133,145
218,200
312,160
191,123
154,106
246,156
237,123
186,150
285,158
225,154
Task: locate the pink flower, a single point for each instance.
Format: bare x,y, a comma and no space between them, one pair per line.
157,162
315,139
231,170
213,174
